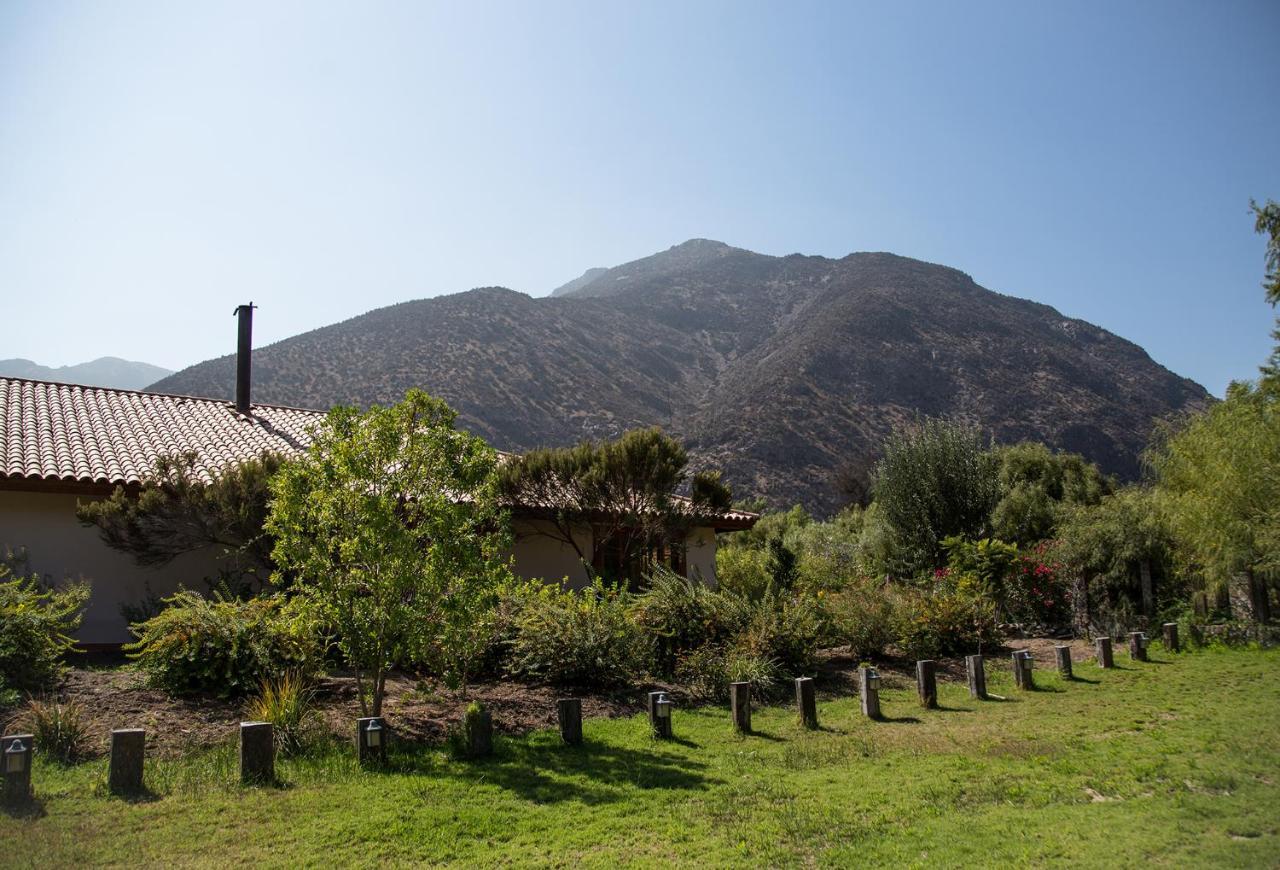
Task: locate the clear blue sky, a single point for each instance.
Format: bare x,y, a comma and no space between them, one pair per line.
162,162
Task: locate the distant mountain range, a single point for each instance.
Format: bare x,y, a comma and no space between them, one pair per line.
107,371
785,372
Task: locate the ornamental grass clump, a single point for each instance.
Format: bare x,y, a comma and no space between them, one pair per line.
287,702
60,728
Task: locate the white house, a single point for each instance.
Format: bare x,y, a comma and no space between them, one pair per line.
61,443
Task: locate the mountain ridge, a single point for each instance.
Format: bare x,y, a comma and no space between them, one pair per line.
105,371
781,370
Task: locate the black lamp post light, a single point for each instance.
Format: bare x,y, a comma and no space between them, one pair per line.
17,769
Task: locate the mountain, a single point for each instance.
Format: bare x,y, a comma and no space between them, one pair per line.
578,283
107,371
782,371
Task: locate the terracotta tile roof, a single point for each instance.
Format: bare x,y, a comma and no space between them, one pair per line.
70,434
75,434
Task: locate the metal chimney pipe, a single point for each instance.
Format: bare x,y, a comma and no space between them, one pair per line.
244,356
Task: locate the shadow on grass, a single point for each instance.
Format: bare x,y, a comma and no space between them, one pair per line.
764,735
1078,679
33,808
1052,690
590,773
945,709
907,720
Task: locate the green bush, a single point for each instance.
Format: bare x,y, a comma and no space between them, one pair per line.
679,615
945,620
707,672
788,630
863,615
225,646
35,630
584,639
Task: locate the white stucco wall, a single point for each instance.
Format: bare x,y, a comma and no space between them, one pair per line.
59,548
700,555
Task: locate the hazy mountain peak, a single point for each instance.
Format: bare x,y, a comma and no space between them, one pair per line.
106,371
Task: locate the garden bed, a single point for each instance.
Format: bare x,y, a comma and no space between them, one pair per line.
117,696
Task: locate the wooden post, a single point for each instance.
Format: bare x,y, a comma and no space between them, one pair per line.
366,751
869,691
16,752
569,712
740,703
927,683
1137,646
806,702
1103,645
977,670
1148,591
479,728
257,753
1063,652
1022,670
661,725
1171,637
128,747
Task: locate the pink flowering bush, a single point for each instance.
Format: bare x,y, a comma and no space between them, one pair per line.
1035,590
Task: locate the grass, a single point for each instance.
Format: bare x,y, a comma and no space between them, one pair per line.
1175,762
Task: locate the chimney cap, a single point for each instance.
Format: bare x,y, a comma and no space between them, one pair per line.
240,308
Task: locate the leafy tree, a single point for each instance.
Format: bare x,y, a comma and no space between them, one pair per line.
934,480
1220,486
1035,483
392,523
625,491
1109,548
179,512
1267,222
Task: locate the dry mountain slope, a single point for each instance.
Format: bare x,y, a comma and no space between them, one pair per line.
777,369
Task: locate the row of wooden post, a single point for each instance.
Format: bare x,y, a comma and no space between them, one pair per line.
258,748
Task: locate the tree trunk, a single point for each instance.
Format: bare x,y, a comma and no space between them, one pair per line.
1148,591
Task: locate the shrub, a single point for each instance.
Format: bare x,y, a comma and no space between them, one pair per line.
785,629
945,620
287,703
577,638
864,616
1035,590
225,646
35,630
708,671
60,728
679,615
743,571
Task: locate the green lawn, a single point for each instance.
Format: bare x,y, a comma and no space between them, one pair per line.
1175,762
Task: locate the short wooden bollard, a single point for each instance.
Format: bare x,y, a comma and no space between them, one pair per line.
1103,645
479,732
1063,653
1022,670
128,748
371,740
257,753
1171,637
16,751
569,712
977,670
927,683
660,714
806,702
1137,646
740,704
869,692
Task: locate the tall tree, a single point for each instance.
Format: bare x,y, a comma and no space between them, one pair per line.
392,523
624,491
935,479
1036,483
1267,222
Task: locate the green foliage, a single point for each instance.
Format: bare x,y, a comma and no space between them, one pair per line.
1220,486
179,511
1267,222
934,480
1035,482
36,625
624,489
948,618
584,639
864,615
288,703
60,728
391,521
679,615
786,629
224,646
744,571
708,671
